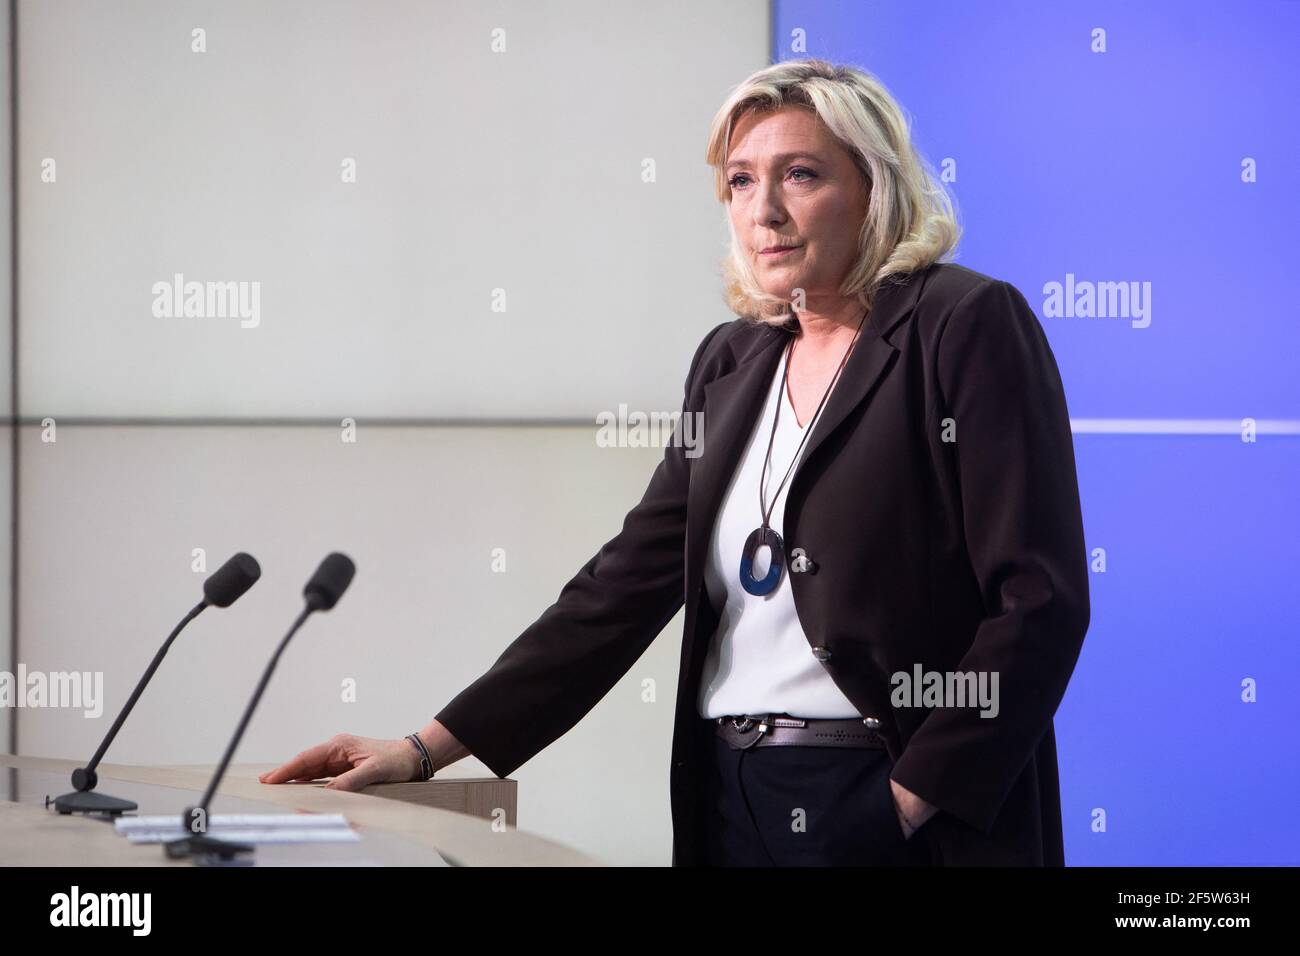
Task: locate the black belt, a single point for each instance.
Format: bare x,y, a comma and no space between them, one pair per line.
781,730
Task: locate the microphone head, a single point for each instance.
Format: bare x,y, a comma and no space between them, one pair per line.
329,582
228,583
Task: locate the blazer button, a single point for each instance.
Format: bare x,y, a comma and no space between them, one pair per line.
822,653
871,722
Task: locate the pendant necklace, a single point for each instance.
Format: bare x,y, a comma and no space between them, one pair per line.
764,534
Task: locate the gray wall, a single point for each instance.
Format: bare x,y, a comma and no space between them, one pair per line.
476,171
6,378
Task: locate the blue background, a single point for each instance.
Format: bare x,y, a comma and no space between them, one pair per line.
1126,166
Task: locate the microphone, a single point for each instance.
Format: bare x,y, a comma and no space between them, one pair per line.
329,582
222,588
321,593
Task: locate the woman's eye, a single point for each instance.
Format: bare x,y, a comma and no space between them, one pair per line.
734,181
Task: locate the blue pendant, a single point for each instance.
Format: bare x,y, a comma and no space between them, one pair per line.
760,537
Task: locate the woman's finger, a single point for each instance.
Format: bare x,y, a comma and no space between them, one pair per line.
318,761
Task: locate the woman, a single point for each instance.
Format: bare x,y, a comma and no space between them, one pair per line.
929,541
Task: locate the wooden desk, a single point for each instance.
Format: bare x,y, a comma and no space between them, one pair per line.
464,820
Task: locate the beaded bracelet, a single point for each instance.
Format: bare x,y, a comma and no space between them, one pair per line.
426,763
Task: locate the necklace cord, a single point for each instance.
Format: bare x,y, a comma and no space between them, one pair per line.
765,509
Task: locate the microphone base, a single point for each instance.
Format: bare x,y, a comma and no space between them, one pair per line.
89,801
200,846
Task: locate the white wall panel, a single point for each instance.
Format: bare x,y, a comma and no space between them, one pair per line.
518,170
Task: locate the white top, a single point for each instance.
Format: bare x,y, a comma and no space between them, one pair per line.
760,660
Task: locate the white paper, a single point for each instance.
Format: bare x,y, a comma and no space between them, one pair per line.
256,828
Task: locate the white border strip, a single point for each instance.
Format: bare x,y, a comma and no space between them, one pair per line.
1181,426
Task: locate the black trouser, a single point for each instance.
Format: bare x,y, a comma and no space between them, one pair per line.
802,806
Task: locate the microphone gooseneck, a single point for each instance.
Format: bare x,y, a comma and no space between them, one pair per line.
222,588
321,593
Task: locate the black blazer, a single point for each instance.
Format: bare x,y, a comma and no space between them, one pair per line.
957,555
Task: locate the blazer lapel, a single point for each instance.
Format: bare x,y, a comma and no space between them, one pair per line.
866,363
733,401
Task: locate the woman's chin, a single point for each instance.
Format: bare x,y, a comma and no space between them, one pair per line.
775,283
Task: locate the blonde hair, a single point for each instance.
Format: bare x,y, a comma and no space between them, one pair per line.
911,220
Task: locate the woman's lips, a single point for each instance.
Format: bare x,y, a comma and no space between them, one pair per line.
778,253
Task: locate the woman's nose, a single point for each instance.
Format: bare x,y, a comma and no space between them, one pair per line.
768,211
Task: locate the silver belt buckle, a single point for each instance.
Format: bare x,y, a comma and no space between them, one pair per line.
746,724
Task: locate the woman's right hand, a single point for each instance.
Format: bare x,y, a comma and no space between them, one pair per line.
354,762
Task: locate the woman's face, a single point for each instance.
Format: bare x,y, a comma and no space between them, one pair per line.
793,184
